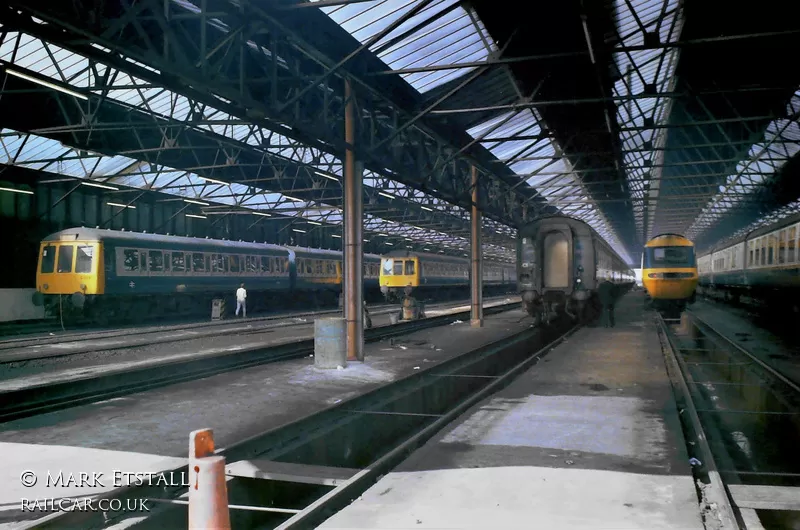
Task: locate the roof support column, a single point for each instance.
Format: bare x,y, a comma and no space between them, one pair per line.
353,236
476,276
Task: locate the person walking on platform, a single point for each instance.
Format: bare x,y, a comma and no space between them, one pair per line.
606,293
241,300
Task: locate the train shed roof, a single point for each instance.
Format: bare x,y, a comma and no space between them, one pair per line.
636,116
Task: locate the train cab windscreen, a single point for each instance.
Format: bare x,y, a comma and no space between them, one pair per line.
669,257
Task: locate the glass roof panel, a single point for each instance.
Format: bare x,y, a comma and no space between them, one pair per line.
52,156
166,104
539,162
781,142
451,36
640,71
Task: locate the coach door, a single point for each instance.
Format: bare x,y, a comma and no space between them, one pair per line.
555,260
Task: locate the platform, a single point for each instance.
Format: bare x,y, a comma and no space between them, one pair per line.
588,438
237,405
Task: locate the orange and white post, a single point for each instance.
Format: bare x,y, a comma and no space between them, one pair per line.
208,493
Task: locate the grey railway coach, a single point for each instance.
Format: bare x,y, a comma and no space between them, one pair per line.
560,262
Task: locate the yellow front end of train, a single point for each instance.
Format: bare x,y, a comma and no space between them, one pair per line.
397,273
669,270
72,268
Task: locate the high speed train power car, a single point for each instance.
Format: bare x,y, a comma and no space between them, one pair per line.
669,271
437,275
109,274
560,263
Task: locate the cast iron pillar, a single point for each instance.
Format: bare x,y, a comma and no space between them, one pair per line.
353,236
475,244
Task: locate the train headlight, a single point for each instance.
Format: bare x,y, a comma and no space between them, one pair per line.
670,275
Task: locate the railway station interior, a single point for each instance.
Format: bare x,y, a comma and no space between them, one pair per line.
399,264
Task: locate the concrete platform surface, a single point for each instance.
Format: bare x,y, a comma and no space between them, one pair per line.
96,357
45,473
588,438
244,403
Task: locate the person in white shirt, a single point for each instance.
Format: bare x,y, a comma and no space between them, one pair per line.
241,298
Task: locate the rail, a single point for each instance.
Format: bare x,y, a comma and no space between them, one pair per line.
716,497
39,399
742,397
63,346
772,371
361,438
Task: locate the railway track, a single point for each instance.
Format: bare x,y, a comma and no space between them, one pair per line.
32,400
84,335
330,457
64,346
742,420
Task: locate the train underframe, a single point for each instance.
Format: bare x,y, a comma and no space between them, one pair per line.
763,298
443,293
582,306
672,307
109,309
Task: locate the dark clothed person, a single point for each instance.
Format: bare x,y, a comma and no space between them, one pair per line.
606,292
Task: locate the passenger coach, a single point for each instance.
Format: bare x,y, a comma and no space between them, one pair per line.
110,274
560,263
437,276
763,265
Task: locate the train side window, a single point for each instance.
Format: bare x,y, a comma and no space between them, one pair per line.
65,255
265,264
156,263
83,263
763,250
318,267
131,260
178,262
143,260
48,259
167,261
782,246
792,244
758,256
198,262
233,264
217,263
771,244
410,266
301,267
